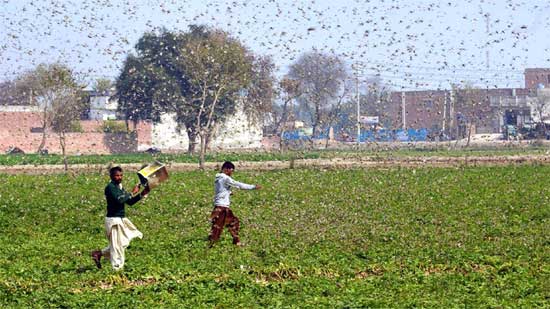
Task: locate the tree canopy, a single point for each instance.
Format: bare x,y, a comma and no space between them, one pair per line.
200,75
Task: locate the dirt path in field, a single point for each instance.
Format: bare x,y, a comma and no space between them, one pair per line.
334,163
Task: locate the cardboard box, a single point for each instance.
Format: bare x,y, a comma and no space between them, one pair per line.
152,174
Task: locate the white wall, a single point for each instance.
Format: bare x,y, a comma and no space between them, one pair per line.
238,133
166,137
535,105
19,108
235,133
102,108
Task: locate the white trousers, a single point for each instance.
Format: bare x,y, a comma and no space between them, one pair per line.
119,232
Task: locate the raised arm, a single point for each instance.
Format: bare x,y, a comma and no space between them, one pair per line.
133,199
122,196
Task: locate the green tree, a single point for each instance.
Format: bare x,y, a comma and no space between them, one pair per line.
201,75
139,90
218,68
103,86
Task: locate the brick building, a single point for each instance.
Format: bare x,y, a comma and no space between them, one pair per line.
537,78
21,126
449,111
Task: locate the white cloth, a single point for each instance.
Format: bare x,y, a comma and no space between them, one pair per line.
222,187
119,232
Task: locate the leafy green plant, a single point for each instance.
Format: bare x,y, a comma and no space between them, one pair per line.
432,237
113,126
76,127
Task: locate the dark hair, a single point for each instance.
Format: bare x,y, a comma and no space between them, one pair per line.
228,165
115,169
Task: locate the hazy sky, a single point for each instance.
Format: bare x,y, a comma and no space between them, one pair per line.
409,44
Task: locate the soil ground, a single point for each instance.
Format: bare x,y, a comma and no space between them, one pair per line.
334,163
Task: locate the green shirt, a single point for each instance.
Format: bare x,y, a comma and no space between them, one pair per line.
116,198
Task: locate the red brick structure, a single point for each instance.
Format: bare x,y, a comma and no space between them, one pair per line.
23,129
418,109
447,110
537,77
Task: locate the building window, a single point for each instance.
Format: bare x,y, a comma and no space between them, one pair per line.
428,104
37,130
548,78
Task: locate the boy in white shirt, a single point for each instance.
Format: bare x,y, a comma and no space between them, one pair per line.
222,215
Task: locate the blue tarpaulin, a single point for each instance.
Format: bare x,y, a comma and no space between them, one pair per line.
381,135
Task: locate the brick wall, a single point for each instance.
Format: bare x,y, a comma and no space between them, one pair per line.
391,116
15,131
475,107
144,130
536,76
434,109
423,109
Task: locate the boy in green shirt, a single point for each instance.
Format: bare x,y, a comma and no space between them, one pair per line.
118,229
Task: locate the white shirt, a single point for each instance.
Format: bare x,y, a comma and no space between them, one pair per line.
222,186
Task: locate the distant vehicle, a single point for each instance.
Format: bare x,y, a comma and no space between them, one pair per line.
14,150
153,150
510,132
534,130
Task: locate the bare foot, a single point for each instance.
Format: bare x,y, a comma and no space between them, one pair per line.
96,256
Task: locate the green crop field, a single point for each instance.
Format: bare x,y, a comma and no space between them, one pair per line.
430,237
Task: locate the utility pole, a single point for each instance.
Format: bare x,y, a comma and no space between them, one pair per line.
358,108
487,21
488,63
355,68
452,119
444,124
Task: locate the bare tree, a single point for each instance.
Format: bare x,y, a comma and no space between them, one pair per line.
65,113
16,92
260,92
472,105
320,78
541,108
373,99
61,100
338,105
24,90
288,90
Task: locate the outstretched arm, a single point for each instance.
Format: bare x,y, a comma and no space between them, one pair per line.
241,185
